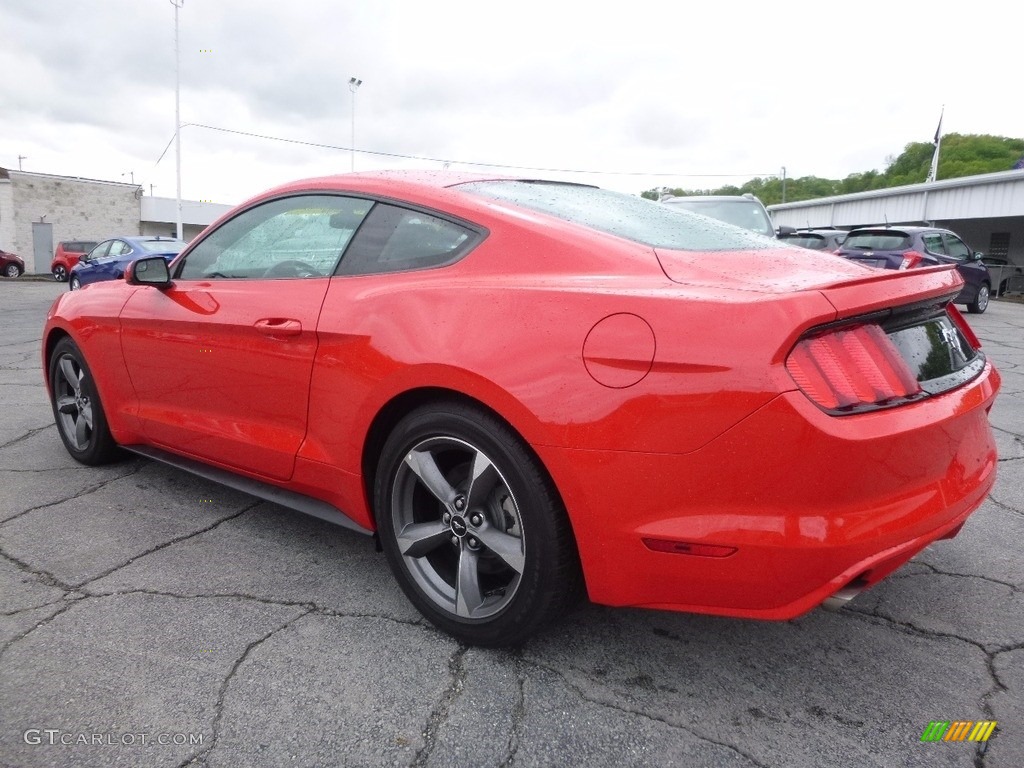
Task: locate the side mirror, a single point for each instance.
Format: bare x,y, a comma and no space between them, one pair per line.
152,271
977,256
782,230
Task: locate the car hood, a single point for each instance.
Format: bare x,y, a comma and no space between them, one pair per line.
781,270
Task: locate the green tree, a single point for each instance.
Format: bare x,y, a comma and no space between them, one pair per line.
960,155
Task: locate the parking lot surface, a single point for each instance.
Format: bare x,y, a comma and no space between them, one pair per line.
148,617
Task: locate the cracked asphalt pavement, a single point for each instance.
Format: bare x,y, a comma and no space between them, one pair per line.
141,605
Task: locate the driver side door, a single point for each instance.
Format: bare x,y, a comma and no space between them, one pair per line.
221,360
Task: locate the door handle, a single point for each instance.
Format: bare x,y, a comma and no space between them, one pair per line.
278,326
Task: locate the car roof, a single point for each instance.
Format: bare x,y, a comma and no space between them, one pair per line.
711,198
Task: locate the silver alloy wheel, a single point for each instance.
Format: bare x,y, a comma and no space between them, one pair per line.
74,408
12,270
75,283
458,528
982,300
60,274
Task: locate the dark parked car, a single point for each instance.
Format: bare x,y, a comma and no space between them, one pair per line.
815,239
11,265
909,247
68,253
108,259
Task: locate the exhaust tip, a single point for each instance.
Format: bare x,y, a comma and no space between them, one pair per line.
839,600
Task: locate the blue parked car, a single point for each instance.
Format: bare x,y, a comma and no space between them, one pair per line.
108,259
909,247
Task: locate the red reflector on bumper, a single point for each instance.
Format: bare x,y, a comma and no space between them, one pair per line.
688,548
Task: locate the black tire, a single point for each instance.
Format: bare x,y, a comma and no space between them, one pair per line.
521,573
81,421
60,273
12,271
980,303
75,283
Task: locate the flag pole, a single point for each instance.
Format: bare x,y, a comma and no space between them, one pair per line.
933,173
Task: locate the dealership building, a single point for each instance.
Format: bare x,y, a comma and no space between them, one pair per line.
39,210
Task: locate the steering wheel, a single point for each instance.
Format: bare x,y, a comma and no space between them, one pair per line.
292,268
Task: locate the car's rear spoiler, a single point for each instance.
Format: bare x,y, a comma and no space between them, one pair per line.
889,287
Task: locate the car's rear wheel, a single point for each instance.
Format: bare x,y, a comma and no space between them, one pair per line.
472,526
60,273
12,270
980,303
77,409
75,283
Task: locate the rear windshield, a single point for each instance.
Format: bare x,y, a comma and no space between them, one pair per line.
79,246
626,216
882,240
817,242
163,246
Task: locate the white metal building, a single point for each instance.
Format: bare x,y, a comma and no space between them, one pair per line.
987,211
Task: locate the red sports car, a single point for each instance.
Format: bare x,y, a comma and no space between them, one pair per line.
527,388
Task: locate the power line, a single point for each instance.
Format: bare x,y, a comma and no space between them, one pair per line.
461,162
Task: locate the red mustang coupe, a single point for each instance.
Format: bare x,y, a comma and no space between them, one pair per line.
528,388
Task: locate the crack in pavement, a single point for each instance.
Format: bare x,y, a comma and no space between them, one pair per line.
84,492
222,694
168,543
440,712
640,713
939,571
71,601
311,606
1005,507
26,436
35,607
45,577
518,711
908,627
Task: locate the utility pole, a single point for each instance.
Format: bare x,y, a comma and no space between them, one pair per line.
353,85
783,183
20,158
177,107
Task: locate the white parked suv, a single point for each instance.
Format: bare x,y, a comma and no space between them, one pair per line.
739,210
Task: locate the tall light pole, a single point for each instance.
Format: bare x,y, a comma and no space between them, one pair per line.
353,85
177,107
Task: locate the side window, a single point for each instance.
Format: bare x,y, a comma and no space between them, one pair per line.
301,236
98,252
956,248
118,248
397,240
933,243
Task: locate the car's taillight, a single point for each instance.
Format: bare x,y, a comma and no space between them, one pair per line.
851,368
911,259
961,323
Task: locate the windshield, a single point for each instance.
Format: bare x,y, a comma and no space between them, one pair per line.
163,246
741,212
626,216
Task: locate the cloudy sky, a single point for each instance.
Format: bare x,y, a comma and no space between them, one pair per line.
637,94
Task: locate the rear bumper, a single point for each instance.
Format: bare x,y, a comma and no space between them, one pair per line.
809,502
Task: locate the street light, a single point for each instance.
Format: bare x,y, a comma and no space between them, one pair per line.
177,107
353,85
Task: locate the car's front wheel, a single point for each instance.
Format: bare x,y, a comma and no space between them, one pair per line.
75,283
60,273
77,409
980,303
472,526
12,270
